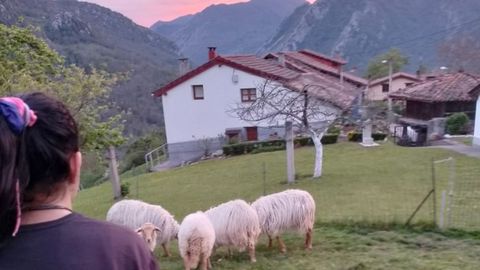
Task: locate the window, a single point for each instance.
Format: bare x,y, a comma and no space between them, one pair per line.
408,84
248,94
197,91
385,88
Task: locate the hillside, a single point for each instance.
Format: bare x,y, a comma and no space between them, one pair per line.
92,36
359,30
357,202
234,28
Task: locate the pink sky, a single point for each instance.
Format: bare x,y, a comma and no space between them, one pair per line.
147,12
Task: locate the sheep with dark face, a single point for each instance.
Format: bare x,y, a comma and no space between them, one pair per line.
290,210
196,238
134,214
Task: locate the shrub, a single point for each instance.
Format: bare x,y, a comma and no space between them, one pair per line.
268,149
125,189
268,146
135,154
379,136
302,141
457,123
354,136
329,138
333,130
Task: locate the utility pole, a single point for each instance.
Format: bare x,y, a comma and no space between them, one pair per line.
390,112
390,71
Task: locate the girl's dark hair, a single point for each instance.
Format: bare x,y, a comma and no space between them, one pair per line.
39,157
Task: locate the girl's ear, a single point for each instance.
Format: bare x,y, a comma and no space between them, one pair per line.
75,166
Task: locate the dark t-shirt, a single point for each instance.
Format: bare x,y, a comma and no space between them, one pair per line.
76,242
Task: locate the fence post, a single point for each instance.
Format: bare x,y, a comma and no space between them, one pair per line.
290,152
451,184
264,179
434,194
137,187
441,221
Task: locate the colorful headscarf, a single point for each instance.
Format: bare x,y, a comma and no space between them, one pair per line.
18,116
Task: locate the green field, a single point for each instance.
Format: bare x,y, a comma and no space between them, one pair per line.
376,186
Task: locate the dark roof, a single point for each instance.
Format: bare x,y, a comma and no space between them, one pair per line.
444,88
325,89
307,61
261,67
395,76
248,63
323,56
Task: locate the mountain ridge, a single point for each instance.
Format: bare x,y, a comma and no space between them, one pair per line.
361,29
90,35
232,28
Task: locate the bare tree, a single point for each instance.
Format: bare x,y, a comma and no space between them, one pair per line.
305,106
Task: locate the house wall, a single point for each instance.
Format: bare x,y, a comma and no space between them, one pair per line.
424,110
476,133
187,119
375,91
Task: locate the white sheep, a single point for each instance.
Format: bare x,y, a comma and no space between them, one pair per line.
196,238
149,233
290,210
236,225
133,214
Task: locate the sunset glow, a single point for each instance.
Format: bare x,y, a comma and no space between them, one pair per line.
147,12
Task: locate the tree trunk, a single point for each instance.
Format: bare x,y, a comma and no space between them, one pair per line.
317,141
114,173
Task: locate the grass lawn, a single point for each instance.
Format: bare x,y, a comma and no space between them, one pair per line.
464,140
359,185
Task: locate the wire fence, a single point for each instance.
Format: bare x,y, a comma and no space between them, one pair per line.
436,192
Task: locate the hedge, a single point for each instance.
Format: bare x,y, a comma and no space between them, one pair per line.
457,124
273,145
357,136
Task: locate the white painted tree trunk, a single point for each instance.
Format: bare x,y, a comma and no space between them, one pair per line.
317,141
117,194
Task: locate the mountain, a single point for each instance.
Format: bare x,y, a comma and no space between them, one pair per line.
361,29
92,36
234,28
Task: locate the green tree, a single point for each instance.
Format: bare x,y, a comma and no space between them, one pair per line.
28,64
378,66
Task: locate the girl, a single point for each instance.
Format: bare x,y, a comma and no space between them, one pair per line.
39,178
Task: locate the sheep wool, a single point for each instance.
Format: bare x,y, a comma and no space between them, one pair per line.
134,213
236,225
196,238
290,210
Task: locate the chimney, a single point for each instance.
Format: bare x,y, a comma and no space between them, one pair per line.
183,66
212,53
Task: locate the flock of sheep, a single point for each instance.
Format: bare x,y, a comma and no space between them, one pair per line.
234,224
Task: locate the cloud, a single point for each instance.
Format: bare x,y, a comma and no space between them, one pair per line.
147,12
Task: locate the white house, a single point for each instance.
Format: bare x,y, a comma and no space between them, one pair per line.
378,89
197,105
476,133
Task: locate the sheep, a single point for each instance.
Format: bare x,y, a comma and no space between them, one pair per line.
196,238
133,214
292,209
149,233
236,225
